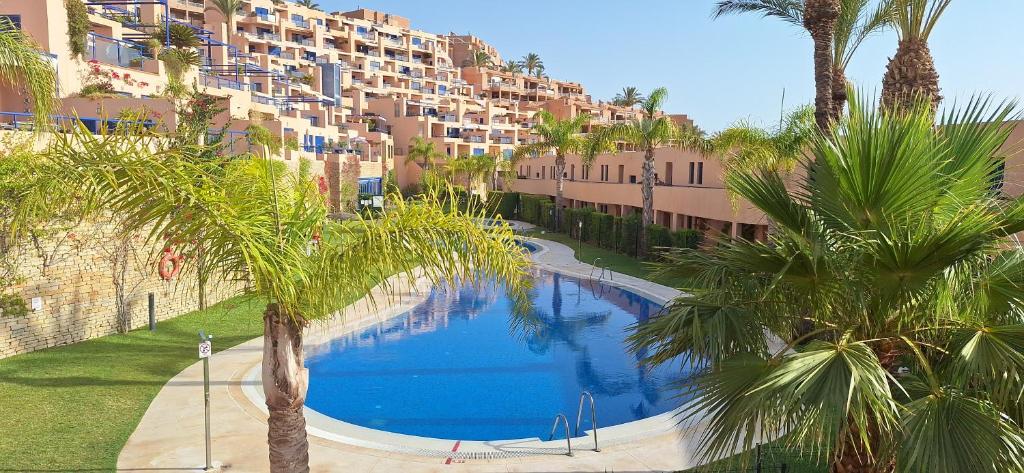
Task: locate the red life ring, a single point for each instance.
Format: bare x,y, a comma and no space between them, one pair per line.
170,265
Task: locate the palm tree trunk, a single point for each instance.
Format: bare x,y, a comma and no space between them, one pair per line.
560,184
910,76
647,191
838,91
285,381
820,21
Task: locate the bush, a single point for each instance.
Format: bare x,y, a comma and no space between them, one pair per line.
530,208
658,238
616,242
78,27
503,204
631,228
687,239
606,230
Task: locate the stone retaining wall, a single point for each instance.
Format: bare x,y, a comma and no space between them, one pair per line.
73,272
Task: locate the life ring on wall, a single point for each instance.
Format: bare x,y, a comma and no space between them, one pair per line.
170,265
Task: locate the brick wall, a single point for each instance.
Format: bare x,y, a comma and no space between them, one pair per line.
73,272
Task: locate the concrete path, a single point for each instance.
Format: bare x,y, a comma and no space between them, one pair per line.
170,435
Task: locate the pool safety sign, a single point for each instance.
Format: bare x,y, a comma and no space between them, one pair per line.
205,349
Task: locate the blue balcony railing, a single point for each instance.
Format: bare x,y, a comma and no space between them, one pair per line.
222,83
116,52
26,121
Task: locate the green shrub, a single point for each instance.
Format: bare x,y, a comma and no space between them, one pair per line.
78,27
503,204
616,242
530,207
687,239
606,230
658,238
12,306
631,228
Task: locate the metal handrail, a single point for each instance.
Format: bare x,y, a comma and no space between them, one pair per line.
594,266
568,436
593,416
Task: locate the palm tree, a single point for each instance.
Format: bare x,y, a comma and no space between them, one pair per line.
532,62
308,4
267,226
854,23
423,150
747,148
564,137
23,65
911,74
479,59
228,8
513,67
895,246
182,36
629,97
648,132
538,72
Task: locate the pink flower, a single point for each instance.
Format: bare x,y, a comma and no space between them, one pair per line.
93,61
143,84
115,75
322,185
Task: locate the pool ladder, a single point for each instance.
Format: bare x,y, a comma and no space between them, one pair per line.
579,419
603,268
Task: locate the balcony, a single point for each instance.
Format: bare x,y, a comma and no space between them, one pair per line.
300,23
269,18
473,138
395,42
218,82
191,3
116,52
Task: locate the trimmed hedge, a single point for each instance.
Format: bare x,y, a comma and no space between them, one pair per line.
621,234
503,204
687,239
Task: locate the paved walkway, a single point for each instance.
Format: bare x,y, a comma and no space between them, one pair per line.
170,435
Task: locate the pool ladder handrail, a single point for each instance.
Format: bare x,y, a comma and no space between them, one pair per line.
603,268
593,416
568,436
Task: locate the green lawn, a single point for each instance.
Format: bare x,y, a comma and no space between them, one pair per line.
617,262
72,408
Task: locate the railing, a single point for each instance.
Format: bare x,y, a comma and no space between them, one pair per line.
568,436
473,139
116,52
269,18
222,83
194,3
263,99
301,23
26,121
269,36
593,416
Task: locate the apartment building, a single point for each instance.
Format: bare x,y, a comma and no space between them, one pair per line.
357,86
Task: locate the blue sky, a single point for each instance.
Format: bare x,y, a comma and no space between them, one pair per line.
717,71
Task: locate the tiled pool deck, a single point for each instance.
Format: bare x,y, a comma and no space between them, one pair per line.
170,435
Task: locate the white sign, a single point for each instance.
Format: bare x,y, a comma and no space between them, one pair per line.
37,304
205,349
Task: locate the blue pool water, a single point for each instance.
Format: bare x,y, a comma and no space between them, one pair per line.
452,368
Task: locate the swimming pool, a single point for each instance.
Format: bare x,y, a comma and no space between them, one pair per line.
451,368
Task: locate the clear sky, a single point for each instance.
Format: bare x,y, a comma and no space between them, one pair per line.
716,71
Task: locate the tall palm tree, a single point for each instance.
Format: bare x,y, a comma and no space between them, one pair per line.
22,64
532,62
267,226
895,246
538,72
512,67
564,137
855,22
648,132
629,97
910,74
747,148
479,59
423,150
308,4
228,8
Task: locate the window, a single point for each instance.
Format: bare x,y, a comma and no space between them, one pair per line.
632,179
700,173
442,89
604,172
478,151
668,174
690,180
572,172
622,172
507,153
543,171
14,19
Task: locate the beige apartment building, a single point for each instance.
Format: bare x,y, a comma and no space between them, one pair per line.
358,86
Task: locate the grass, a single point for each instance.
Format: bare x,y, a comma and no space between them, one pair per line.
615,261
72,408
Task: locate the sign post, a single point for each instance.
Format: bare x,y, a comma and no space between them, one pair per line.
205,350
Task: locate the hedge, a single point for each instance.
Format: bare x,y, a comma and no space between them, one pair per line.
658,237
687,239
630,241
503,204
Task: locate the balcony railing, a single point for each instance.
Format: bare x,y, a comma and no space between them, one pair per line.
473,139
116,52
301,23
222,83
269,18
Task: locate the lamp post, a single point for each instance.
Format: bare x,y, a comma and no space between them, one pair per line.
579,234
